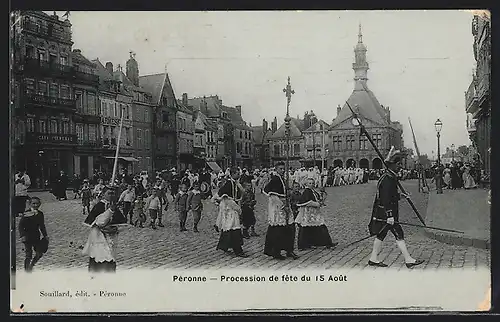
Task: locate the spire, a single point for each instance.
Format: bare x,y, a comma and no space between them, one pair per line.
360,65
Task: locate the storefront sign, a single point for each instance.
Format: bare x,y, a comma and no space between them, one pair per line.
106,120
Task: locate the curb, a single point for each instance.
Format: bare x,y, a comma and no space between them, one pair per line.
458,240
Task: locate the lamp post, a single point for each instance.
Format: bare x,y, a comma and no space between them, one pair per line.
42,183
323,152
438,125
452,152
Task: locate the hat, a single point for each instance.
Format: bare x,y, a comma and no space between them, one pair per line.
394,156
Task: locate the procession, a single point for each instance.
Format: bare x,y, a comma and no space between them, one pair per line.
133,173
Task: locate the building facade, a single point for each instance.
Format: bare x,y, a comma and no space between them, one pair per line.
87,120
199,142
477,96
278,144
347,148
242,138
44,132
316,145
185,133
165,146
260,136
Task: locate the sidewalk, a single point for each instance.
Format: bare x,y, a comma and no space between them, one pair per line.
463,210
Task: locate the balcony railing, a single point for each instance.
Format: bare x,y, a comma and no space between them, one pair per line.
79,75
51,138
31,64
47,31
50,101
89,143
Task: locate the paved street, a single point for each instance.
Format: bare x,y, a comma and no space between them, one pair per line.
347,213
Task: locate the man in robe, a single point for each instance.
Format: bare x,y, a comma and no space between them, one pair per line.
281,230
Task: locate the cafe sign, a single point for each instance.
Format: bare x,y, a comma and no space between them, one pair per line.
106,120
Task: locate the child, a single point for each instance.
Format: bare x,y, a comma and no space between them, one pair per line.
153,206
139,212
295,198
181,206
247,210
31,224
127,197
194,203
86,193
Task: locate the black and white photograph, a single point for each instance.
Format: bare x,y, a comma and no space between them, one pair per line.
177,161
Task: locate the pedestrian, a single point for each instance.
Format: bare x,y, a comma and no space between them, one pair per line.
181,205
385,214
86,193
247,209
60,187
22,183
153,206
281,230
195,204
77,184
295,198
31,224
127,198
228,221
139,212
312,228
103,221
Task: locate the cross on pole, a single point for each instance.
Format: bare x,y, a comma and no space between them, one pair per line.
288,93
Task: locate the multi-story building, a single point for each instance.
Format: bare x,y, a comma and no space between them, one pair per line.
87,120
142,118
185,133
199,142
242,138
44,104
278,143
260,136
347,147
211,131
316,144
164,145
477,96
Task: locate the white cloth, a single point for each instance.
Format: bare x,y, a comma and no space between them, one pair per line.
310,216
22,188
229,215
277,214
101,243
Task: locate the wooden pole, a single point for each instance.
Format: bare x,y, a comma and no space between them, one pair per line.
115,166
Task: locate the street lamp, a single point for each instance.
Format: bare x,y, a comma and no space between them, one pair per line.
452,152
438,125
40,154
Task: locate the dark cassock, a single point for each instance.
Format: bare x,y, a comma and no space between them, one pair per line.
102,241
311,222
281,230
228,219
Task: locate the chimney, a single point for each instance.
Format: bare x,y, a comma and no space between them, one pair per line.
388,114
274,125
109,67
238,108
185,99
264,125
338,109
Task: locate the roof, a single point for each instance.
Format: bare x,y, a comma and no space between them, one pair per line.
235,117
102,72
213,105
183,108
155,83
259,135
78,58
121,76
211,125
298,123
294,131
367,104
316,126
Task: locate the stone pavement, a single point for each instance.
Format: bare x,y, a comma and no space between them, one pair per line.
462,210
347,212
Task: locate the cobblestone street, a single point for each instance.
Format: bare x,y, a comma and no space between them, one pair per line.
347,213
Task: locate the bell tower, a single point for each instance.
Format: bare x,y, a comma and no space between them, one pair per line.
132,71
360,65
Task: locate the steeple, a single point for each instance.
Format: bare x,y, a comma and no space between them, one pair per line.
360,64
132,71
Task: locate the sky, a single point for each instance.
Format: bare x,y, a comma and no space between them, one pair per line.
421,62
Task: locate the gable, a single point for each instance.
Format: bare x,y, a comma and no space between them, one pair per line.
347,124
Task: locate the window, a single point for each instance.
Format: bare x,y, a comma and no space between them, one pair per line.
337,143
115,112
112,135
63,60
42,126
349,142
92,132
79,101
53,126
105,134
85,132
30,52
147,138
139,137
52,59
249,135
246,148
377,139
30,124
296,149
91,104
79,131
363,143
65,127
241,134
41,55
42,88
238,147
65,92
276,150
30,86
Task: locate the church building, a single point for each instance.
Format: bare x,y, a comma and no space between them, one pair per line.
347,147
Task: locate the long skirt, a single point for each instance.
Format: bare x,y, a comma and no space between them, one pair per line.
231,239
106,266
279,238
313,236
248,217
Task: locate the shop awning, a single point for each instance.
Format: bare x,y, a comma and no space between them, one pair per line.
129,159
214,166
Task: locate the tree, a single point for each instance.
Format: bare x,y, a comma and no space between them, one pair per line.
424,160
463,151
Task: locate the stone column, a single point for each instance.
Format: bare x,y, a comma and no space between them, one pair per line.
90,159
76,164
